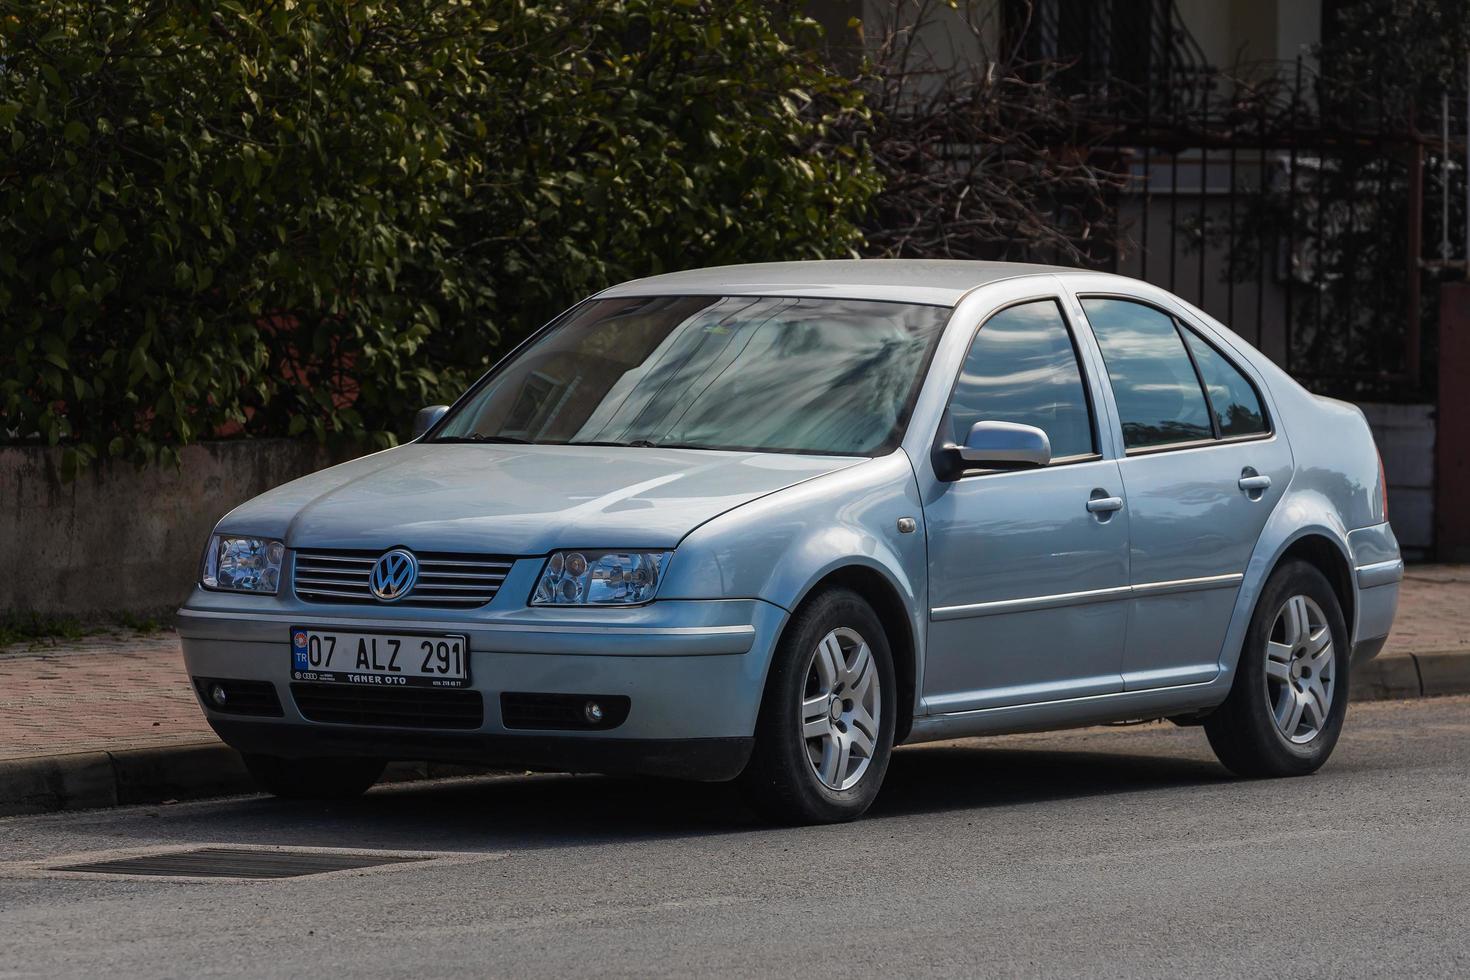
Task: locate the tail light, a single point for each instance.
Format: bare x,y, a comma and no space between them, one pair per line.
1382,488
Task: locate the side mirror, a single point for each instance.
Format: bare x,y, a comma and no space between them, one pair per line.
426,417
1006,445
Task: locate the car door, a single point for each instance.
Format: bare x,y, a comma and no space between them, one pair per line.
1202,470
1028,569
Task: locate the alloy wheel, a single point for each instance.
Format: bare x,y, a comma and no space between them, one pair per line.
1301,671
840,709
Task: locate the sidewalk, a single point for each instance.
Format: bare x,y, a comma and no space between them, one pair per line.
104,721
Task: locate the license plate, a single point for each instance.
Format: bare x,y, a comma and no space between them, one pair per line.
383,659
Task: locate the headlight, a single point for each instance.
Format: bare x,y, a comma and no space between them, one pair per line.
599,578
243,564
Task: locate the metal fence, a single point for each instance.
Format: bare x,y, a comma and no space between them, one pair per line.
1313,222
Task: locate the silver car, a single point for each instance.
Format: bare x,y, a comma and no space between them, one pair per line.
766,522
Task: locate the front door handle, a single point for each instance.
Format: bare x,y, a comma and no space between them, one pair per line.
1256,481
1104,505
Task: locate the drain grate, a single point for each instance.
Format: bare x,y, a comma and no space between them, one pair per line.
241,862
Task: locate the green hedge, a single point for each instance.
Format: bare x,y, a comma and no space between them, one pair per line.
280,218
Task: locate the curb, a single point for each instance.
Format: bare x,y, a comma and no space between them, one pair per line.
128,777
1412,675
86,780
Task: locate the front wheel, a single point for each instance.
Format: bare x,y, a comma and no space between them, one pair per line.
825,729
314,779
1286,707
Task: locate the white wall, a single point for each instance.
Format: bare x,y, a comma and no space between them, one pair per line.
1248,31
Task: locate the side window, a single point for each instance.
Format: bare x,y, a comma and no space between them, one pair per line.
1022,367
1235,400
1158,393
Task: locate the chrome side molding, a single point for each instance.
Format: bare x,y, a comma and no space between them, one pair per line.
1028,604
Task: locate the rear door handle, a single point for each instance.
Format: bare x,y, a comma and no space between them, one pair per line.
1256,482
1104,505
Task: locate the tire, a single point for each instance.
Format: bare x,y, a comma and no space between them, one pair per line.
1273,722
806,679
314,779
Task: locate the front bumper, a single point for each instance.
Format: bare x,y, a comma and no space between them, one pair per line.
701,759
693,670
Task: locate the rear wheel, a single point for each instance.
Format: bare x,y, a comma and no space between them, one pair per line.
314,779
826,724
1286,708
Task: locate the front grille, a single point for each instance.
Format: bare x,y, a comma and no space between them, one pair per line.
347,704
240,697
454,580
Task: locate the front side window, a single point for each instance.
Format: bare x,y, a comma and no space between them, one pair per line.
1232,396
1022,367
1154,383
772,373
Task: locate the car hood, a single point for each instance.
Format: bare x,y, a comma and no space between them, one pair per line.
518,500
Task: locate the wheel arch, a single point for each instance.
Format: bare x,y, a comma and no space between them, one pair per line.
880,592
1304,526
1329,558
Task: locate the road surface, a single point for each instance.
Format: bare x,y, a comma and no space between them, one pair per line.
1120,851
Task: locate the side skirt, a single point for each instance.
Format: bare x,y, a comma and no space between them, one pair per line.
1072,712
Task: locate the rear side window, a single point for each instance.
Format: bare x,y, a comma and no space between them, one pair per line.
1234,399
1022,367
1154,383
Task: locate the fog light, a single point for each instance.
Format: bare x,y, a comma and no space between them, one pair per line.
592,711
217,694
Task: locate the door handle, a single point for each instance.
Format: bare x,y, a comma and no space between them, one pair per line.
1104,505
1255,482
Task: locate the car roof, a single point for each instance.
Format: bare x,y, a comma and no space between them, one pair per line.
937,282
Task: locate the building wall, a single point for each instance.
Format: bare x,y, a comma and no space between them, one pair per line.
962,37
1228,31
1248,31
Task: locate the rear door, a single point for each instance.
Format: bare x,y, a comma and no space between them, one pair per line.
1202,469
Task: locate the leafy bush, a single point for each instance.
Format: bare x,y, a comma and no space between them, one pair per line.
286,217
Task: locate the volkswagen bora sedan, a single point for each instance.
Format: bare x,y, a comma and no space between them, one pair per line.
767,522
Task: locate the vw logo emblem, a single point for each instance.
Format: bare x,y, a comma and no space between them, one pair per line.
393,575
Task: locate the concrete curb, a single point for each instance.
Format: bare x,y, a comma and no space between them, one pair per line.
1444,673
128,777
87,780
1412,675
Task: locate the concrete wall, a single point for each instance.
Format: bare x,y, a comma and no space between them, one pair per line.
1406,438
119,538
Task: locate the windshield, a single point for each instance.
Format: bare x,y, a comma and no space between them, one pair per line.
833,376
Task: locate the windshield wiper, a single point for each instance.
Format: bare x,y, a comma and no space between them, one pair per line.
635,444
477,437
639,444
518,441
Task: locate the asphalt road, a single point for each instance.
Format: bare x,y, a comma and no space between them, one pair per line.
1101,852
